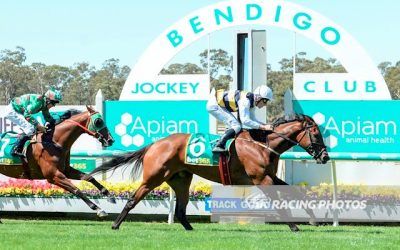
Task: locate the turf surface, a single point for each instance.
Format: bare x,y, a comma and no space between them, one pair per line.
84,234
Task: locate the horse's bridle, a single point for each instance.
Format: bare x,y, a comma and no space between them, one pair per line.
95,133
311,149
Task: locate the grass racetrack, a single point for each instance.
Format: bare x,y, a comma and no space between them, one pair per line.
85,234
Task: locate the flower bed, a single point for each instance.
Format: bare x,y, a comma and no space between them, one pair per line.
373,194
198,191
43,189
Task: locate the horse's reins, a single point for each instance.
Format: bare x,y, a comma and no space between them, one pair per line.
85,128
261,145
280,135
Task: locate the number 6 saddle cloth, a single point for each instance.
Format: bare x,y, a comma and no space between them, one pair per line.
199,149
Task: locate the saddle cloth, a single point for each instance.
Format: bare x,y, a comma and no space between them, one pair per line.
7,143
199,149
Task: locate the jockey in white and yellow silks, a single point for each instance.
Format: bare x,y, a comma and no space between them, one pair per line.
222,103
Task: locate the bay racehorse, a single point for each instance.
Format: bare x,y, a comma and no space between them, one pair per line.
48,155
254,157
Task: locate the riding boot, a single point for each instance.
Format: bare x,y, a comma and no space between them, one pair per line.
220,146
18,148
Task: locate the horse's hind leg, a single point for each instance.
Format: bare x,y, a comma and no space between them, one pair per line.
61,180
155,172
75,174
180,183
140,193
150,181
155,179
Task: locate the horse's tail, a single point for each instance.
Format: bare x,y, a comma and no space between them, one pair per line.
124,160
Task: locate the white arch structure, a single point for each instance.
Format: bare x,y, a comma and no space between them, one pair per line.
286,15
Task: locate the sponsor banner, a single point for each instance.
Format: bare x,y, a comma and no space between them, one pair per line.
84,165
337,86
303,204
7,125
170,87
135,124
355,126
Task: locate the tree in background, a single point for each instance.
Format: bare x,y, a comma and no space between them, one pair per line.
392,77
282,80
220,68
180,69
110,79
13,74
77,90
80,83
221,65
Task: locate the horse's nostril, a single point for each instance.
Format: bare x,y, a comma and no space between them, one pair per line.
325,158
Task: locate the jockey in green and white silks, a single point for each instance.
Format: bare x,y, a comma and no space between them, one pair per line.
222,103
21,109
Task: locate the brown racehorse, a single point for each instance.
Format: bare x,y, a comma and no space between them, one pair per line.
49,157
254,161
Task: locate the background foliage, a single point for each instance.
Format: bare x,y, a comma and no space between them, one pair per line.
81,81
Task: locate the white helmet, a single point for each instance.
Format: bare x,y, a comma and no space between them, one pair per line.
264,92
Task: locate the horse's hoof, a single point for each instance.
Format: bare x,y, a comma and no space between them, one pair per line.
313,222
101,214
294,228
111,200
1,222
114,227
188,228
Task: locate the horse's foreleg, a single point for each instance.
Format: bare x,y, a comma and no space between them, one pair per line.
298,194
61,180
75,174
180,183
268,181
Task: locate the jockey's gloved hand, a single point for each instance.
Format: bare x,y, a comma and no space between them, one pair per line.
40,128
50,125
52,122
266,127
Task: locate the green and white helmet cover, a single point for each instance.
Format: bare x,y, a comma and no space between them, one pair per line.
53,95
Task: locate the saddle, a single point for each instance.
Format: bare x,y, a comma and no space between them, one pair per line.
199,152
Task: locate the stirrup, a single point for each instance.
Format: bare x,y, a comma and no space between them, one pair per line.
17,153
218,149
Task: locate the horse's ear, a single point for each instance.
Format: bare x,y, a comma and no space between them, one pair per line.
90,108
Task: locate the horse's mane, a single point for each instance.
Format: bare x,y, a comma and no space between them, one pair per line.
67,114
289,118
260,135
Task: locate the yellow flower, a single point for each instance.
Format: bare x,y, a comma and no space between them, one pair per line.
202,187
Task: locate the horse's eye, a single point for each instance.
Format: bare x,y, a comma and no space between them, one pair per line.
98,122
